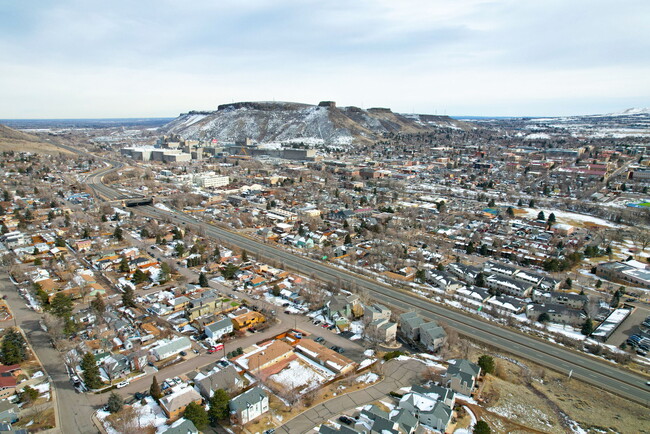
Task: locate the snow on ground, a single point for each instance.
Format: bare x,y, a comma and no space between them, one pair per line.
37,374
162,207
367,362
149,414
297,375
568,217
368,378
42,388
567,330
369,353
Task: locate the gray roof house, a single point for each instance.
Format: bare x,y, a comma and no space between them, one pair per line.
374,312
219,328
248,406
409,324
432,336
226,378
181,426
461,376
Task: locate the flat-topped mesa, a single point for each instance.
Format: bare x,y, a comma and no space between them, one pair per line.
330,104
380,110
263,105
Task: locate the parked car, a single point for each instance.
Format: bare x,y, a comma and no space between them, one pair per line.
183,353
346,420
319,339
122,384
140,395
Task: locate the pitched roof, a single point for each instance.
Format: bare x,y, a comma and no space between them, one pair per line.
250,397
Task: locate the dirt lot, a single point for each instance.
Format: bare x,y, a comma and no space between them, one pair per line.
523,397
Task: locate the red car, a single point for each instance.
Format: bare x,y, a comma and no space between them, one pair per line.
212,350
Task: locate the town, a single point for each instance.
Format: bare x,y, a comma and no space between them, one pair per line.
178,284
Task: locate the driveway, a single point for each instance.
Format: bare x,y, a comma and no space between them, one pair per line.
397,374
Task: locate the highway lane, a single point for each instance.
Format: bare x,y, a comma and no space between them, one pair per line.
589,369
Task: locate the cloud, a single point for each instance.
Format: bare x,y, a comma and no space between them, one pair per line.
124,58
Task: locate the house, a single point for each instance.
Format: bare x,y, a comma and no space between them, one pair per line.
382,330
8,412
175,404
340,305
219,328
168,348
461,376
265,355
509,285
181,426
225,378
466,273
575,301
248,406
325,356
430,405
557,313
409,325
14,370
7,386
244,319
376,312
443,280
432,336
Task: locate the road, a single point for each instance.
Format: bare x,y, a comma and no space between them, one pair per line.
73,418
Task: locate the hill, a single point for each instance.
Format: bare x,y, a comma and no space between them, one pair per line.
13,140
324,123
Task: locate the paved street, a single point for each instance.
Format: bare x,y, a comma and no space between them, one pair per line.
74,409
396,374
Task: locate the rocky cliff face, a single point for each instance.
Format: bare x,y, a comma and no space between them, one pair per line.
286,121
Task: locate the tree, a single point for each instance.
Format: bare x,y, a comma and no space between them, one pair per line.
480,280
587,327
348,239
124,265
28,395
244,256
61,306
487,364
117,234
543,318
97,305
13,348
216,253
197,414
510,212
520,203
90,371
541,216
165,272
115,402
154,389
180,249
128,298
470,248
420,275
551,219
218,406
568,282
599,283
229,271
139,277
203,280
531,204
481,427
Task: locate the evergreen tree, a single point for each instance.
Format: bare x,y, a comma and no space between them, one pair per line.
115,402
510,212
229,271
218,406
128,297
97,305
165,272
568,282
244,256
481,427
520,203
117,234
420,275
551,219
124,265
587,327
28,395
139,277
487,364
216,253
531,204
541,216
348,239
154,389
13,348
61,306
90,371
480,280
543,318
203,280
470,248
197,414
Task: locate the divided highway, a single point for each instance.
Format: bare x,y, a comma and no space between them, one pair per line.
589,369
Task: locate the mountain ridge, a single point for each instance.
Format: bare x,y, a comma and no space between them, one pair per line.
273,121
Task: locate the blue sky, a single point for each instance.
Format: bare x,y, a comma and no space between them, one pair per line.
86,58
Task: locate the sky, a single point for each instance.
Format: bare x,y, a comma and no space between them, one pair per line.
158,58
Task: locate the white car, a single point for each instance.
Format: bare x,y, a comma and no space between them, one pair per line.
122,384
